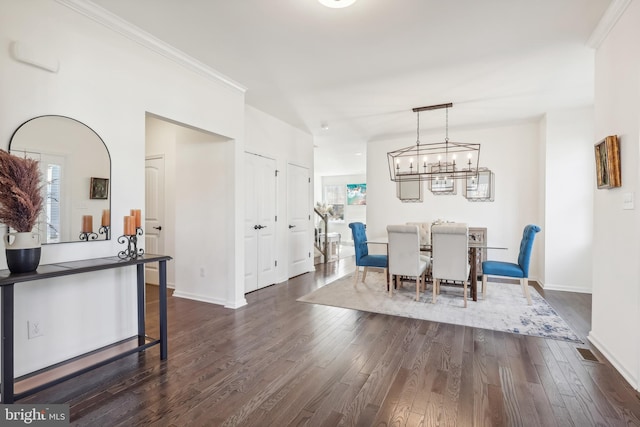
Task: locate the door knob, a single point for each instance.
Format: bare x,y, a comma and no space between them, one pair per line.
158,228
291,226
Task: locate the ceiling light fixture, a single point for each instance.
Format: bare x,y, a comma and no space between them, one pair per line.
336,4
436,161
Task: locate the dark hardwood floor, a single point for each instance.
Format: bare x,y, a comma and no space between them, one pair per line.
278,362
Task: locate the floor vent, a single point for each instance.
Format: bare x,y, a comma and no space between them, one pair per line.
587,354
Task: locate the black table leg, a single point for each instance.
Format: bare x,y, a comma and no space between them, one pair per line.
163,309
474,274
141,305
6,350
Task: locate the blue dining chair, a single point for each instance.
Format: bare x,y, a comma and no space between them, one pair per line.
363,259
508,269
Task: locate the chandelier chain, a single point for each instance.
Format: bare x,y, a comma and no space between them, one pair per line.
418,130
446,126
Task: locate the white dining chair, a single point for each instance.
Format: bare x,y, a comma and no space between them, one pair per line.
404,256
450,255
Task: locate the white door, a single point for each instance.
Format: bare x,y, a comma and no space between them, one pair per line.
260,222
299,218
154,213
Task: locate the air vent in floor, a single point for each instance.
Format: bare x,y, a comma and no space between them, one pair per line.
587,354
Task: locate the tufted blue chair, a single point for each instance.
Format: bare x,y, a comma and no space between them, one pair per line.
508,269
363,259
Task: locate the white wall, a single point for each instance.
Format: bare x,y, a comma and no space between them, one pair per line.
204,190
197,189
510,151
616,270
568,199
108,82
270,137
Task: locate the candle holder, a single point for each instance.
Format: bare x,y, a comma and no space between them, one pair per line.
132,251
106,230
86,236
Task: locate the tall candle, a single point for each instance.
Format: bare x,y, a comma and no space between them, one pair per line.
129,226
87,223
137,214
106,218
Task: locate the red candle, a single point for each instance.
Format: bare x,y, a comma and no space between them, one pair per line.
137,214
87,223
129,226
106,218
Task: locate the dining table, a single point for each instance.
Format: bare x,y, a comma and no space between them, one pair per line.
473,259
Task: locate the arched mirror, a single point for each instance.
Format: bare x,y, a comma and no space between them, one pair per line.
76,169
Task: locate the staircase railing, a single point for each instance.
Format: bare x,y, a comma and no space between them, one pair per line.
318,244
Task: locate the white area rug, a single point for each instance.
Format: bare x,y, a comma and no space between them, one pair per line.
504,309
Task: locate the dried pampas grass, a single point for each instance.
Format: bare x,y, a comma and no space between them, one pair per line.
20,192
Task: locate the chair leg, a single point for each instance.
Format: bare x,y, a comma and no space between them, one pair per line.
525,286
484,285
364,273
465,294
418,288
355,282
435,286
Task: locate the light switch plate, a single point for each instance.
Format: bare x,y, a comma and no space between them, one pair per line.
628,201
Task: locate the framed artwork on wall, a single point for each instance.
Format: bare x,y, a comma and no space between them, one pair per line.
356,194
99,188
608,173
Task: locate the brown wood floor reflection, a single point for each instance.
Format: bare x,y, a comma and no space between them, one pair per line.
277,362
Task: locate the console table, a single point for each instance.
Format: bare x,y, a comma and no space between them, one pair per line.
12,389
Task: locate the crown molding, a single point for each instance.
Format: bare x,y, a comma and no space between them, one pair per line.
607,22
130,31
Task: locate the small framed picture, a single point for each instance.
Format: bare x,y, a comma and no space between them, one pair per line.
607,153
99,188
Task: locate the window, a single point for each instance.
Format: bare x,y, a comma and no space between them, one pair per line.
335,196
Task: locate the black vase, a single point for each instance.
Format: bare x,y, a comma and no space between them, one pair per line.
23,251
23,260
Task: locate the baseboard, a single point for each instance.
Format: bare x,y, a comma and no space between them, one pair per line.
564,288
196,297
237,304
628,376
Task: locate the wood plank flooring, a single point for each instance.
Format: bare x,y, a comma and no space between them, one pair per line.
278,362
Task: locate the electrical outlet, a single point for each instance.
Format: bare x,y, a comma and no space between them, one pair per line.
34,329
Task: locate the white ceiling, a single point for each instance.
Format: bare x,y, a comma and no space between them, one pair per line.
361,69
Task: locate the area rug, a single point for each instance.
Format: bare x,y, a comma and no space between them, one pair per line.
504,308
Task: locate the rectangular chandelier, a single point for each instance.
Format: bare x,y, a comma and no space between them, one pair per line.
434,161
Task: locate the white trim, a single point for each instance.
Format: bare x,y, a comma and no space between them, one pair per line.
607,22
130,31
241,303
616,364
565,288
218,301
